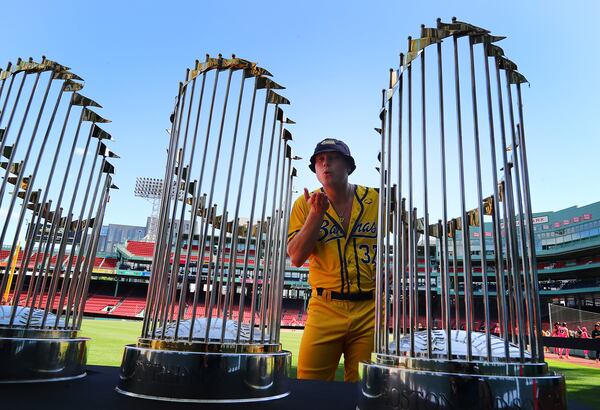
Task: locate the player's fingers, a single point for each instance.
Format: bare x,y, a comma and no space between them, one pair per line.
323,202
306,194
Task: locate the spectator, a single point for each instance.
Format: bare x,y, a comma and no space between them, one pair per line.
555,334
563,331
596,335
496,329
546,333
583,333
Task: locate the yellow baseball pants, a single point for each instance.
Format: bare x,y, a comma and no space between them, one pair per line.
334,327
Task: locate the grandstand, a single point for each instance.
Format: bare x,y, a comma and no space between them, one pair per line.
568,264
568,259
119,281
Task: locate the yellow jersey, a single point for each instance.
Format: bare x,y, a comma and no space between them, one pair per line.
342,261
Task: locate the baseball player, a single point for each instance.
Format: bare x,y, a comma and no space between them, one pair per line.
335,228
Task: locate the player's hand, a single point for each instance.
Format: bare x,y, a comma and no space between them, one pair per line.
318,201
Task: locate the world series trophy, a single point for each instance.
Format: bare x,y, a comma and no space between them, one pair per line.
46,269
212,316
457,308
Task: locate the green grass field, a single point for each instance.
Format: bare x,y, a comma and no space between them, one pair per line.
109,337
583,383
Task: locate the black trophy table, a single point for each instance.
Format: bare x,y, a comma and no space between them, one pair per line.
97,391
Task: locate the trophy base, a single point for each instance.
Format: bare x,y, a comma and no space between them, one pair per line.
204,377
453,384
33,356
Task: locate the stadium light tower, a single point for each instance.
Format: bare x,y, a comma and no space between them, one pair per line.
151,190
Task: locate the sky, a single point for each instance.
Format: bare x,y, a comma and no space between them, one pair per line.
332,57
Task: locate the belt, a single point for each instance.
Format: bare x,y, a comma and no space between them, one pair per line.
347,296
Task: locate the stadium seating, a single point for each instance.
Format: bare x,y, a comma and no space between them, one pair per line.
129,307
98,303
589,283
4,254
138,248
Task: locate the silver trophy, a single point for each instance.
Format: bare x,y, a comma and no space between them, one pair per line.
54,200
212,315
457,308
